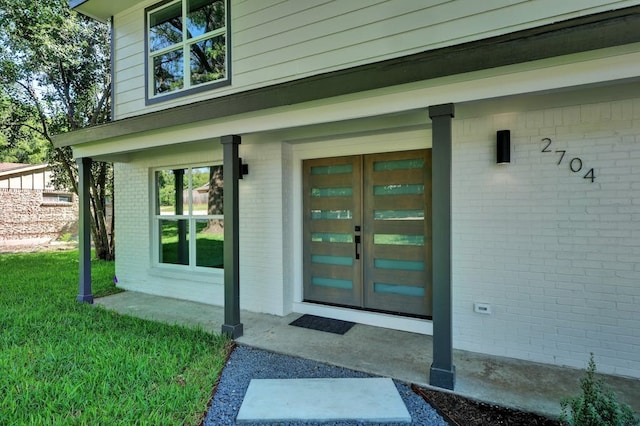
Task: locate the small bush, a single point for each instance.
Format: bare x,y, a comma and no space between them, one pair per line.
597,405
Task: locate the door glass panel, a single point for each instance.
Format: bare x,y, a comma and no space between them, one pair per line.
331,237
398,189
332,192
331,214
398,214
402,290
332,260
210,243
332,170
332,282
398,239
405,265
412,163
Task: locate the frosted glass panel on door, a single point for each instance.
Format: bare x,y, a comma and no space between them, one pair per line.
331,214
398,239
398,214
335,169
401,290
332,282
331,237
332,192
405,265
412,163
332,260
398,189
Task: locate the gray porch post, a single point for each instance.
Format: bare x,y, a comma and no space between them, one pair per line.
231,173
443,372
84,230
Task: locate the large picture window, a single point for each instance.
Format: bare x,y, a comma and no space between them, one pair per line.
189,216
187,47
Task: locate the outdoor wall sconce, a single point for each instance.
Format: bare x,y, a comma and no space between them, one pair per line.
244,168
503,145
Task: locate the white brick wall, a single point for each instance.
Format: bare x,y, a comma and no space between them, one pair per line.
556,256
260,246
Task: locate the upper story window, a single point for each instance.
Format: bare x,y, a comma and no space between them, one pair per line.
187,47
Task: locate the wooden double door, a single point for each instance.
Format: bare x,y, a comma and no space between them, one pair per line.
367,232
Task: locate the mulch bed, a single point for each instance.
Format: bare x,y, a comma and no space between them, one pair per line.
460,411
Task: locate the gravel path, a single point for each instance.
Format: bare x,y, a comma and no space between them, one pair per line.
247,363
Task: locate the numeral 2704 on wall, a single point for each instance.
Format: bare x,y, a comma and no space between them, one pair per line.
575,165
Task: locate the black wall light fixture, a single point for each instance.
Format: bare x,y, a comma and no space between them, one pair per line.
503,145
244,168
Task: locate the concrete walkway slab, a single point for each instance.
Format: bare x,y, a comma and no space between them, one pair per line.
383,352
371,400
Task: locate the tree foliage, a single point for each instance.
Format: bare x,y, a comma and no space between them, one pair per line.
54,78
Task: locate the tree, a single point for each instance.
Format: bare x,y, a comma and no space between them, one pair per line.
54,78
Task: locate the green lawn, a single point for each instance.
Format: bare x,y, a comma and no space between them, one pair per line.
63,362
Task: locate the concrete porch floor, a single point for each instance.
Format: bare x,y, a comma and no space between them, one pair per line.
384,352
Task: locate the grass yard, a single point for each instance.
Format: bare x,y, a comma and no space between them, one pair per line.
63,362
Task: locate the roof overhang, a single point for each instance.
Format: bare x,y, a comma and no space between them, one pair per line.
101,10
22,169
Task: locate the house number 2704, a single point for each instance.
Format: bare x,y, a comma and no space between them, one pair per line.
575,165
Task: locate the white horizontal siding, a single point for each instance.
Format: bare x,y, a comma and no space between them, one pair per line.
281,40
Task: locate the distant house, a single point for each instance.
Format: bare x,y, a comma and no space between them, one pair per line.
464,169
32,211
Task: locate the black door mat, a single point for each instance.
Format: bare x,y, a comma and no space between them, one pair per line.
323,324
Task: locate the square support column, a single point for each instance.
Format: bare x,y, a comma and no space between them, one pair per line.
443,372
231,174
84,230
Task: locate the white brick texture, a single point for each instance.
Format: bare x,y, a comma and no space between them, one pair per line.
555,255
260,245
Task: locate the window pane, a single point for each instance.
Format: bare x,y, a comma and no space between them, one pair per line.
204,16
210,243
207,190
174,241
168,200
165,27
168,72
208,60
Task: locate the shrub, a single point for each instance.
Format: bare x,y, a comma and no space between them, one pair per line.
597,405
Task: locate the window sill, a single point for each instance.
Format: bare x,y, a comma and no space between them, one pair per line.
215,276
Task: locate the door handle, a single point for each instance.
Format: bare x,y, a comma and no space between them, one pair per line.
357,241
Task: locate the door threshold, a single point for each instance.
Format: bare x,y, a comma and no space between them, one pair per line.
376,319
